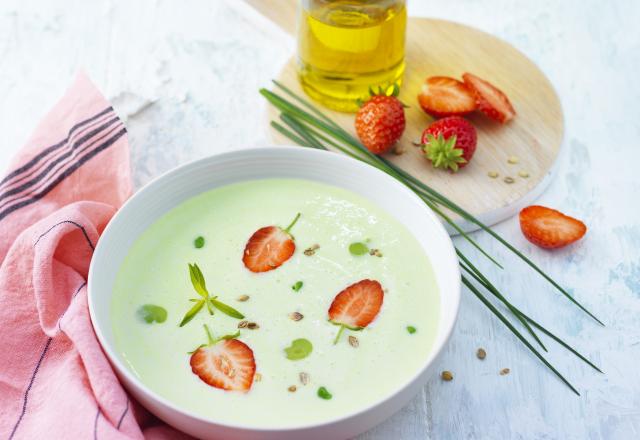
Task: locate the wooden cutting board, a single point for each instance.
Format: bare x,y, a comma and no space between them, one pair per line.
533,137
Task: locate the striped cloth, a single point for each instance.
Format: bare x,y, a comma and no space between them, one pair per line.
63,188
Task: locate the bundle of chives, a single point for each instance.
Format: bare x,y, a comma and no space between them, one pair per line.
307,126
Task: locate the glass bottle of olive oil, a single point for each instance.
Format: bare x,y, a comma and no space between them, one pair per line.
347,46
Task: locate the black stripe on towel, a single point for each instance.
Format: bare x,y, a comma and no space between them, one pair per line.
44,153
124,413
63,175
26,392
43,174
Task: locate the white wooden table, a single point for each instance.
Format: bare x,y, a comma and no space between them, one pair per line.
185,75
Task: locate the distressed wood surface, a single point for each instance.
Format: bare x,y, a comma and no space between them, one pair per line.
185,77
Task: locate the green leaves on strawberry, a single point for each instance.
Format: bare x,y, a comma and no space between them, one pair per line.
449,143
443,152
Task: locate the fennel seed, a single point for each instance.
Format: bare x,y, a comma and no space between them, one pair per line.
296,316
311,250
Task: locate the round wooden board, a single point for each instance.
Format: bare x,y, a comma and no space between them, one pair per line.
534,136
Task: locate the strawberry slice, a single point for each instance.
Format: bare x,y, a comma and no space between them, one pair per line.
442,96
224,363
269,247
356,306
489,99
548,228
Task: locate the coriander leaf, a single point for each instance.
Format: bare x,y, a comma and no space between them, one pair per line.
297,286
149,313
323,393
192,312
299,349
227,310
199,242
358,248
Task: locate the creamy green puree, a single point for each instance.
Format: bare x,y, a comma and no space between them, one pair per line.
156,272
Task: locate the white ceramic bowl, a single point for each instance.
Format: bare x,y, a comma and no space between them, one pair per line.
180,184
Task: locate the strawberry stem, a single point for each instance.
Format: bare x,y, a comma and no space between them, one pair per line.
335,341
288,228
209,335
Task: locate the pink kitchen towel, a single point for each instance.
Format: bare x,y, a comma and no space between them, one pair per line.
64,186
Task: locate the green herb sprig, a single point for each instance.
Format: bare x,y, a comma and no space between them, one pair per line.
200,286
307,126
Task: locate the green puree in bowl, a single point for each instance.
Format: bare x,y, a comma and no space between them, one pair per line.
355,373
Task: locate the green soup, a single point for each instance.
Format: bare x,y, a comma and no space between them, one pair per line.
355,373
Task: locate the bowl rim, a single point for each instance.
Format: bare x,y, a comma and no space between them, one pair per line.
121,369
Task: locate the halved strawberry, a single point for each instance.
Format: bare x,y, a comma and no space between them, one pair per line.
443,96
490,100
224,363
356,306
549,228
269,247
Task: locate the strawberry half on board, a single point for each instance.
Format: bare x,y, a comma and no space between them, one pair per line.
449,143
224,363
356,306
490,100
442,96
380,122
548,228
269,248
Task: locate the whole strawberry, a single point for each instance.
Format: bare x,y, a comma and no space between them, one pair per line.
449,143
380,122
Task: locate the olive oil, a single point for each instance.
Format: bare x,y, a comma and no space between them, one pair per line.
346,47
